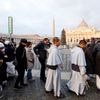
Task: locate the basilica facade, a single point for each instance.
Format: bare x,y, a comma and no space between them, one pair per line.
83,31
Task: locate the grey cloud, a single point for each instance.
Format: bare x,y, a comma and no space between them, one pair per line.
35,16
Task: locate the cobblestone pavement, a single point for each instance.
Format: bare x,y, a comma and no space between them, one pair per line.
35,91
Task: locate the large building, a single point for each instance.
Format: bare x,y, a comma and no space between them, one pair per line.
83,31
35,38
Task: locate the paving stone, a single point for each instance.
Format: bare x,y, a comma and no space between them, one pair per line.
36,91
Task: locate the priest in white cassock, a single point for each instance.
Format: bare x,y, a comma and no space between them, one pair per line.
54,64
78,79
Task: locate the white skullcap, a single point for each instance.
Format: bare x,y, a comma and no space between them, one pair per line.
7,42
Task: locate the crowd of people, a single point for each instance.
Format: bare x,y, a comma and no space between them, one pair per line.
85,61
85,65
7,56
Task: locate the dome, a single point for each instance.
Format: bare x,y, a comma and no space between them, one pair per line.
83,24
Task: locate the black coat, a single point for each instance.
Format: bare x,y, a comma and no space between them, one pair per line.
9,51
97,61
3,67
89,61
40,49
97,58
21,58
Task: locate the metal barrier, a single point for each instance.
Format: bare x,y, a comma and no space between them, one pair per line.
66,60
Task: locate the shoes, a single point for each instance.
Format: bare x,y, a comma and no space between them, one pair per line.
4,84
43,79
83,94
98,89
31,80
1,96
17,87
61,96
24,85
51,92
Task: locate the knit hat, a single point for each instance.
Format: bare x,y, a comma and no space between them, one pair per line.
7,42
23,41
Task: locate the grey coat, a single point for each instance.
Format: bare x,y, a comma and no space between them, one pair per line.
30,58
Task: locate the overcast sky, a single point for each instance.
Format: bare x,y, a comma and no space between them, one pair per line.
36,16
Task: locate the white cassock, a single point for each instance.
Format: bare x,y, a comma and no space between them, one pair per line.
98,81
54,76
77,82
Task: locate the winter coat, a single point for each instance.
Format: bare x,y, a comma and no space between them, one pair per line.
89,61
40,49
9,51
30,58
3,67
97,58
21,58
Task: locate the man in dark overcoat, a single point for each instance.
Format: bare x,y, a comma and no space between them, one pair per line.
21,64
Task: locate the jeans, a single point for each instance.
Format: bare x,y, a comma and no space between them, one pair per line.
29,74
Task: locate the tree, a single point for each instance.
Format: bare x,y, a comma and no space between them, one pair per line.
63,37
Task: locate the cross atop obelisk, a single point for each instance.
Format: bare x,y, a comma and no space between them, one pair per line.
53,28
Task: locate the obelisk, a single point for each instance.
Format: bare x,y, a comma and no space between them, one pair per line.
53,28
